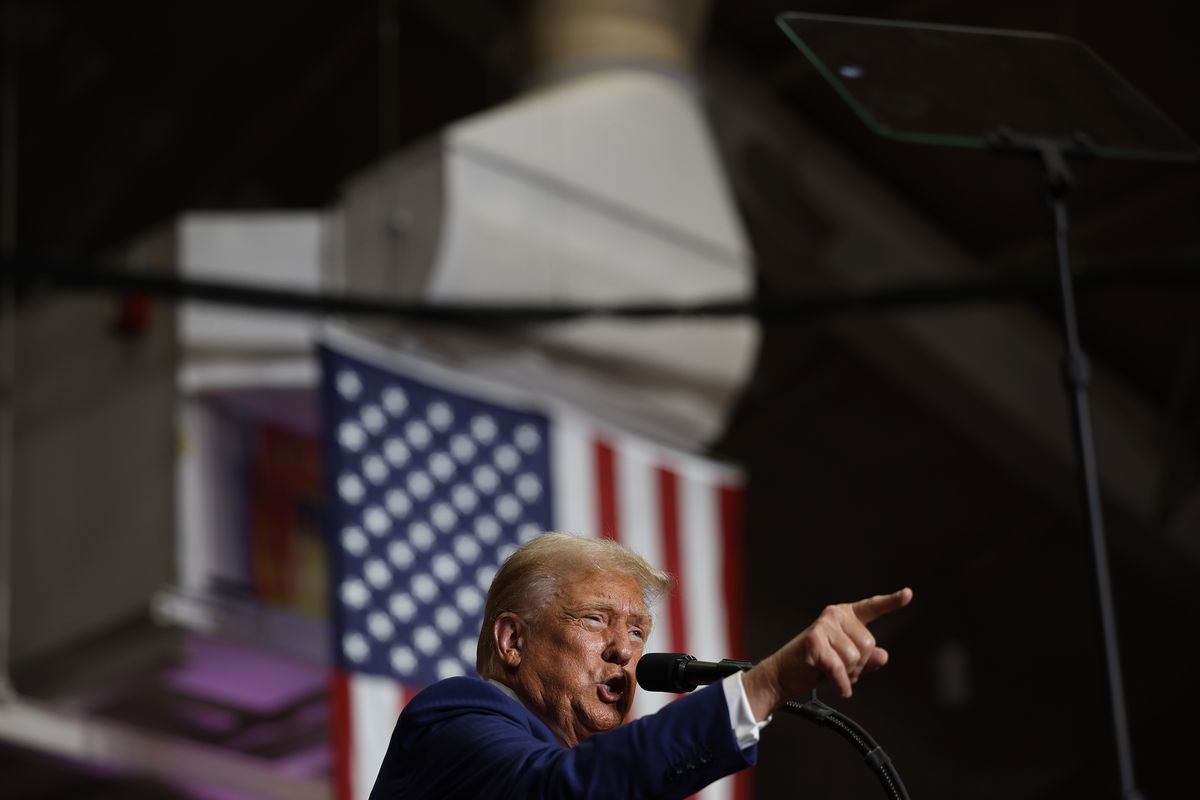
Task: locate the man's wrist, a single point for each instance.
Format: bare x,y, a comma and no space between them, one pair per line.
746,726
762,690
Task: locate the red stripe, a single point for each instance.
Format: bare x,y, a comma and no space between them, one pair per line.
606,490
405,695
668,504
339,731
743,784
730,515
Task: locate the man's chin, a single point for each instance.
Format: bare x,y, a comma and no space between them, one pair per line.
607,718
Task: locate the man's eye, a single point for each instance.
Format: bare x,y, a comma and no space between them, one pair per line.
638,633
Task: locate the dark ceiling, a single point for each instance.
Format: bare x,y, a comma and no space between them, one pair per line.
132,111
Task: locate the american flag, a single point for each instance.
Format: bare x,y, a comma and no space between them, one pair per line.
436,477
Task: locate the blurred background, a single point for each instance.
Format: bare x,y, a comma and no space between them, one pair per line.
164,569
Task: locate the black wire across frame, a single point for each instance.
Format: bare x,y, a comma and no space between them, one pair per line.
33,274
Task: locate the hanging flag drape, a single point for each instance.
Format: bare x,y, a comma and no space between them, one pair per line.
434,477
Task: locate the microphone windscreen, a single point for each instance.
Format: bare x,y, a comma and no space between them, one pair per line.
660,672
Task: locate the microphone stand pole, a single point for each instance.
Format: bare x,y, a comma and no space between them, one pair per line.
1052,153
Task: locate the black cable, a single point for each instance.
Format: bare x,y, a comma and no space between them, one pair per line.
817,712
30,273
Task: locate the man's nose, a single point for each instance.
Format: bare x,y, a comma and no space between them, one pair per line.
620,649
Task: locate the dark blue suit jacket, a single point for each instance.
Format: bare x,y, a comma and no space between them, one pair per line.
464,738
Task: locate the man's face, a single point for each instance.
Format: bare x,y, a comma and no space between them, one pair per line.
577,662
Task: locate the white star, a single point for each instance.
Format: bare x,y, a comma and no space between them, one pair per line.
528,532
424,587
447,620
355,593
375,469
376,520
507,458
397,502
378,575
400,554
487,529
529,487
445,568
442,466
354,540
380,626
469,599
404,660
355,646
372,418
421,535
464,498
527,437
466,650
466,549
449,668
427,640
508,508
440,416
351,488
420,484
418,434
443,516
462,448
484,575
485,478
396,452
402,607
351,436
395,402
348,384
483,428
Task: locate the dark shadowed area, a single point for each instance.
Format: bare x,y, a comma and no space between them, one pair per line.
883,448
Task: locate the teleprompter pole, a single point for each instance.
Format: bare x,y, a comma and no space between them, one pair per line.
1053,153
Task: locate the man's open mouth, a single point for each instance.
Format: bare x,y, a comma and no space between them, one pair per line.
613,689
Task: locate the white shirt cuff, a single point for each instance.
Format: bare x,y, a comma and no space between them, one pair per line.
741,717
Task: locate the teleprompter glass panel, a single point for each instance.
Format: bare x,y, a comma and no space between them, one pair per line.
949,85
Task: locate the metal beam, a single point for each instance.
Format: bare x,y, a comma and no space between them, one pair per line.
118,747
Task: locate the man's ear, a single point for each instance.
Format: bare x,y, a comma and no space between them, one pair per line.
508,632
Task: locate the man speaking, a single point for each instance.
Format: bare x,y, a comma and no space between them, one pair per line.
565,623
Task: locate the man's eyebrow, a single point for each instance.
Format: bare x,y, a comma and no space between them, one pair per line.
640,617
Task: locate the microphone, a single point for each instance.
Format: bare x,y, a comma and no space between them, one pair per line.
679,672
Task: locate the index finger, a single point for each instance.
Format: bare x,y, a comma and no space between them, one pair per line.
875,607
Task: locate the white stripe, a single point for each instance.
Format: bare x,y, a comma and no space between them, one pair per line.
638,517
701,555
374,707
721,790
573,475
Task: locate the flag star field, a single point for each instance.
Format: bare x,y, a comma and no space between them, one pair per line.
435,491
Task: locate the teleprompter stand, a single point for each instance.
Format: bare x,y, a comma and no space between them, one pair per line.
1018,93
1053,152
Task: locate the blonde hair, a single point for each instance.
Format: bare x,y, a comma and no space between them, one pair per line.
530,577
